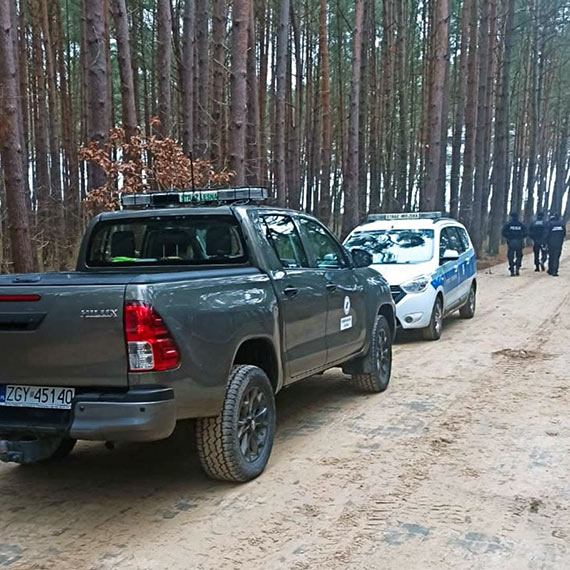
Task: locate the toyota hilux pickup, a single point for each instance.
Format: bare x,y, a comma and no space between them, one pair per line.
186,305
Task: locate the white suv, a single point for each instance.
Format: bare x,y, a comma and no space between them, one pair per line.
429,262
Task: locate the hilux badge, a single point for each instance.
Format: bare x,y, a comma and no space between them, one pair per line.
99,313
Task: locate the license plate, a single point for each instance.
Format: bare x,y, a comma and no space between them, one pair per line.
36,397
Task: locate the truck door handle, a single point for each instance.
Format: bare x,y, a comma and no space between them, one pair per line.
331,287
291,291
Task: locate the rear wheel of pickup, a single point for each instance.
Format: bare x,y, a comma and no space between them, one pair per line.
236,445
381,352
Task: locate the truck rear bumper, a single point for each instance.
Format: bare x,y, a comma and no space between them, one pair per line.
144,413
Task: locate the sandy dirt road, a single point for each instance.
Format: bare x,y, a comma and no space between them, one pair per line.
463,463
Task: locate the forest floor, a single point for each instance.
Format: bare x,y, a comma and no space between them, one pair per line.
462,464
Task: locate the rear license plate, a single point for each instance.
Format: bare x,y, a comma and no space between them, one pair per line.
36,397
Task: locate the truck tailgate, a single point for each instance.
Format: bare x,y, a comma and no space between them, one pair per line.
63,335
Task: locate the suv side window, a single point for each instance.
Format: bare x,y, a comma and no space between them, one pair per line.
444,242
285,241
328,253
450,238
463,237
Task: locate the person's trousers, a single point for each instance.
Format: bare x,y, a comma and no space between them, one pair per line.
515,254
540,253
554,259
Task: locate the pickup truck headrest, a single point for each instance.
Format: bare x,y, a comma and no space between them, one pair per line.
219,241
123,244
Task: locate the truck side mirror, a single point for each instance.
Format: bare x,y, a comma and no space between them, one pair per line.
361,257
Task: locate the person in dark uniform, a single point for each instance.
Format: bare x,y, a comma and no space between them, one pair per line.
554,240
538,232
514,232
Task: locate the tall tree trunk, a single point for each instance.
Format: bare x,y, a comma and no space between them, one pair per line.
501,144
163,62
203,79
440,38
460,110
238,118
403,114
466,199
281,70
253,174
98,108
187,63
325,199
218,71
128,104
480,135
351,207
11,148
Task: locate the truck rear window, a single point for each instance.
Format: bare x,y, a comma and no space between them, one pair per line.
167,240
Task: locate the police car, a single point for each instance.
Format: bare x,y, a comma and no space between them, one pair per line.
429,262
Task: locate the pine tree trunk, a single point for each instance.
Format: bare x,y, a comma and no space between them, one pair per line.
466,199
253,174
281,70
128,103
501,144
324,66
460,110
238,110
187,76
98,108
351,205
163,62
440,39
202,86
218,71
480,135
11,147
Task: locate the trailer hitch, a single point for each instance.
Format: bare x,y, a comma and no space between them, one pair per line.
28,451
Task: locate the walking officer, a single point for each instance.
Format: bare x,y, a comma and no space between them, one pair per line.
538,232
514,232
554,240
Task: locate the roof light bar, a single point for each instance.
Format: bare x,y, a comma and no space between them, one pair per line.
189,197
405,216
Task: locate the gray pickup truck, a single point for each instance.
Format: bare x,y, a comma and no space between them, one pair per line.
186,310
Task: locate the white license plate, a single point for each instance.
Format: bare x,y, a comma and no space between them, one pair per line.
36,397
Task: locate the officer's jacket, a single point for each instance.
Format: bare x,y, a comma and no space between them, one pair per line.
514,230
538,231
556,234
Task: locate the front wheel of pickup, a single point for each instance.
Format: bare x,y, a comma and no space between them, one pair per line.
236,445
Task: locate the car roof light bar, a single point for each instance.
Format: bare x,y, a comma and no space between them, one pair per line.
405,216
192,197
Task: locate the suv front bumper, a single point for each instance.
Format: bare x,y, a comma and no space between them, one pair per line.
145,413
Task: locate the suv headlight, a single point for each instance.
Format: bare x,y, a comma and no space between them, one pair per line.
417,285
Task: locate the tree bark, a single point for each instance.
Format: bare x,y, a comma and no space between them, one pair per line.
202,88
128,104
163,61
238,111
501,143
218,71
351,205
281,69
11,148
98,108
187,87
253,158
440,38
459,111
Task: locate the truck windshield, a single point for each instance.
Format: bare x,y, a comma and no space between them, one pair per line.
167,240
395,246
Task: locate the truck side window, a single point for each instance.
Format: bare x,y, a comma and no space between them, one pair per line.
285,241
328,253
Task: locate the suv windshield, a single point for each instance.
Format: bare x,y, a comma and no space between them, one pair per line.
167,240
395,246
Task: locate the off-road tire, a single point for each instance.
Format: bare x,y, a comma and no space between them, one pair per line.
468,310
218,439
381,353
433,330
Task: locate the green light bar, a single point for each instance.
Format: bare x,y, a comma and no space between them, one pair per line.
191,197
405,216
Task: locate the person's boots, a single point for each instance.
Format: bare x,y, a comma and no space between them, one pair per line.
518,272
542,266
537,268
512,272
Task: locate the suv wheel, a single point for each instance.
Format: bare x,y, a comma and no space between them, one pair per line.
468,310
433,330
236,445
381,348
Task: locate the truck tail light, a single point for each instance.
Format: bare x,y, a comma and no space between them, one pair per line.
150,344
